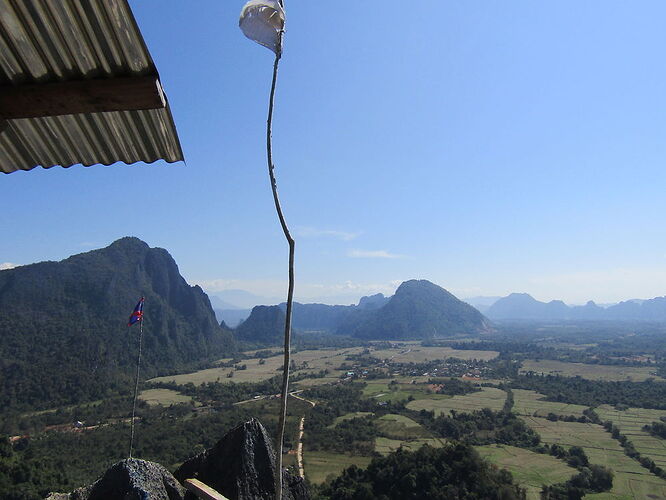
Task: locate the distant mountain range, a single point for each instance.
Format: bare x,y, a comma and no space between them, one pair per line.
320,317
238,299
523,306
63,325
418,310
482,304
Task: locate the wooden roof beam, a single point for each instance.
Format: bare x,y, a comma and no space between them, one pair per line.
87,96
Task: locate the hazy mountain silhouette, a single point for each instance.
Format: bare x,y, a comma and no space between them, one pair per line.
523,306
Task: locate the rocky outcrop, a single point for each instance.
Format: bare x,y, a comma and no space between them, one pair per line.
241,466
130,479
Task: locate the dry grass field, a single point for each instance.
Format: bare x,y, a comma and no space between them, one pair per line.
381,390
416,353
488,397
631,481
400,427
630,422
319,465
592,372
386,445
164,397
349,416
529,403
310,361
530,470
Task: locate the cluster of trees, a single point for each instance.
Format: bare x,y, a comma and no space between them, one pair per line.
453,472
657,429
480,427
567,418
574,456
223,394
590,479
23,476
454,386
354,435
577,390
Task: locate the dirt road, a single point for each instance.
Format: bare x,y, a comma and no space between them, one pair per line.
299,449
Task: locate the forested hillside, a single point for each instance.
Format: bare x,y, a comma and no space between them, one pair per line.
418,310
63,325
265,326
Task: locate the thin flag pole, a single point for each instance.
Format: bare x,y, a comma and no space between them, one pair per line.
136,386
290,294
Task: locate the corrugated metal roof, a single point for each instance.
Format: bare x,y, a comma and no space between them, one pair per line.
46,41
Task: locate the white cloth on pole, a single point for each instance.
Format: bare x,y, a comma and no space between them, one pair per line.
262,21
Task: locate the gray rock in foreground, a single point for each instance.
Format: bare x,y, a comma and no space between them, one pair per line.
130,479
241,466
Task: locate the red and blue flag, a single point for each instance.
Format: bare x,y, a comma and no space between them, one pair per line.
137,314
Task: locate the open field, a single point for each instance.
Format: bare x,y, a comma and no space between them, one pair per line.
308,383
631,481
164,397
630,422
386,445
488,397
319,465
592,372
349,416
380,389
529,403
309,361
401,427
416,353
557,344
530,470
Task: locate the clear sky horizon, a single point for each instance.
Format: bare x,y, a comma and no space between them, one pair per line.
490,147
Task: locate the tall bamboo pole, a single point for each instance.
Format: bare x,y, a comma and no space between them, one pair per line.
290,294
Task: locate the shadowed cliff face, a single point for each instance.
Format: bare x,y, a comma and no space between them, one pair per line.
241,466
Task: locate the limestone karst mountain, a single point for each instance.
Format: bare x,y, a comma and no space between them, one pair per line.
68,320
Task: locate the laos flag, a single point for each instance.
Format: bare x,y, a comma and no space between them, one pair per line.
137,314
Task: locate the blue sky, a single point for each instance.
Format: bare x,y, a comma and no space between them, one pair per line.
490,147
